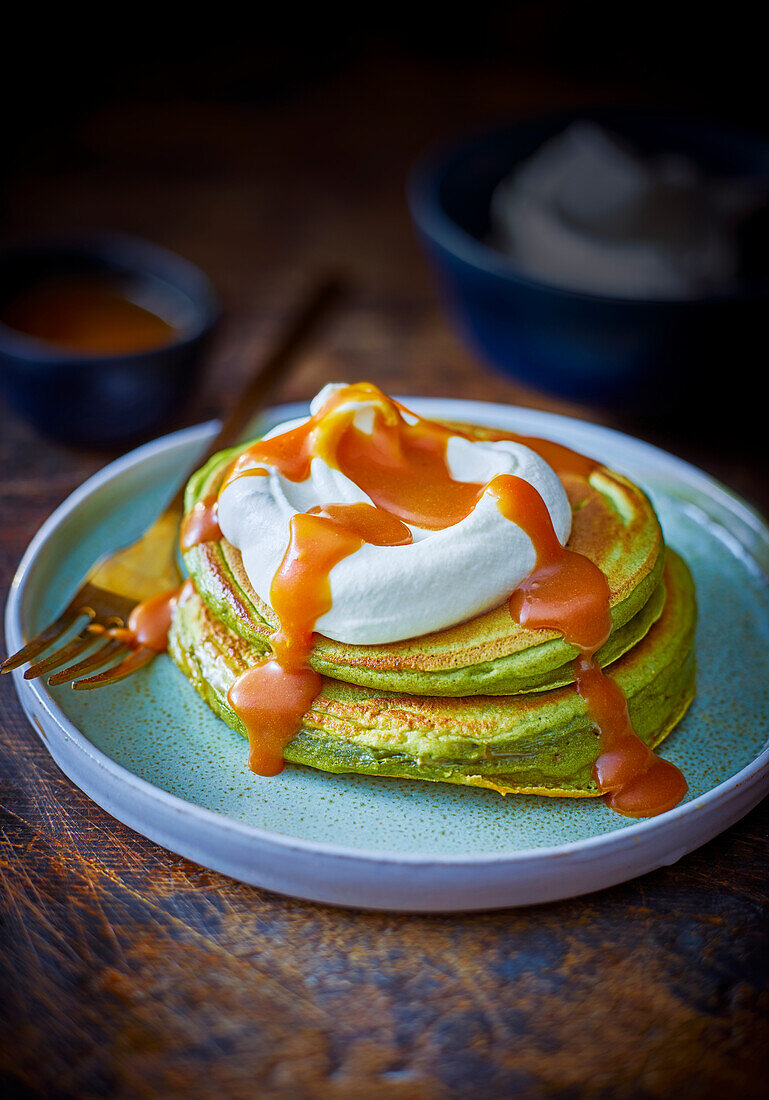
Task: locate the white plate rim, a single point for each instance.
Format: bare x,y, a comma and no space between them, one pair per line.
738,794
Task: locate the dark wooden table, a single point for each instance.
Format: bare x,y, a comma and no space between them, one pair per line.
126,970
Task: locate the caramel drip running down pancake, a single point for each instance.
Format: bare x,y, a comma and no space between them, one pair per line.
201,524
402,466
150,620
566,592
272,697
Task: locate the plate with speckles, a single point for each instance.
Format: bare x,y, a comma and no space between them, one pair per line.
149,751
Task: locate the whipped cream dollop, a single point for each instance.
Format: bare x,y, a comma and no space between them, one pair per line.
589,213
390,593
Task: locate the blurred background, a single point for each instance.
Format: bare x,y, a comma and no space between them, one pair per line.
265,148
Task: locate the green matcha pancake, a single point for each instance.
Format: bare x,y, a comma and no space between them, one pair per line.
543,742
614,525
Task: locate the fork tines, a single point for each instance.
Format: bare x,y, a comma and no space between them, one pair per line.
105,612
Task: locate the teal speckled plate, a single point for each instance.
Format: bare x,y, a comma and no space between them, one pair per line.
151,753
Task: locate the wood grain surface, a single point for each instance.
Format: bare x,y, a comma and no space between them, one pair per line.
127,971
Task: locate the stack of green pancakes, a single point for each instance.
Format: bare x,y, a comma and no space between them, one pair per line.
486,703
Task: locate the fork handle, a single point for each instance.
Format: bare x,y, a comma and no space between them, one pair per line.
297,330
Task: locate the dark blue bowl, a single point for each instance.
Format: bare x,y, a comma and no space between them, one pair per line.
615,352
106,400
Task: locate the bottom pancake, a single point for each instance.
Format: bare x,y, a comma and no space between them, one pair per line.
543,743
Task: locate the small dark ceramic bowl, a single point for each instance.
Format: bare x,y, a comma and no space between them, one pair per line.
620,353
106,400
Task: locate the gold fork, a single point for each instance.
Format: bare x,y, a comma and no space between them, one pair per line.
148,566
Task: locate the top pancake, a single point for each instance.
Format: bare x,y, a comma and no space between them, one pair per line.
613,524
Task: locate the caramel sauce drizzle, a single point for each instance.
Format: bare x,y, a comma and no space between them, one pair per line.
272,697
201,524
403,468
566,592
560,458
400,466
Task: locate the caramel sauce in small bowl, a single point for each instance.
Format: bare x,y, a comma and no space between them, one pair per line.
86,314
101,336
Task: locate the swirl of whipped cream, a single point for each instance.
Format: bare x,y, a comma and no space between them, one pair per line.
389,593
